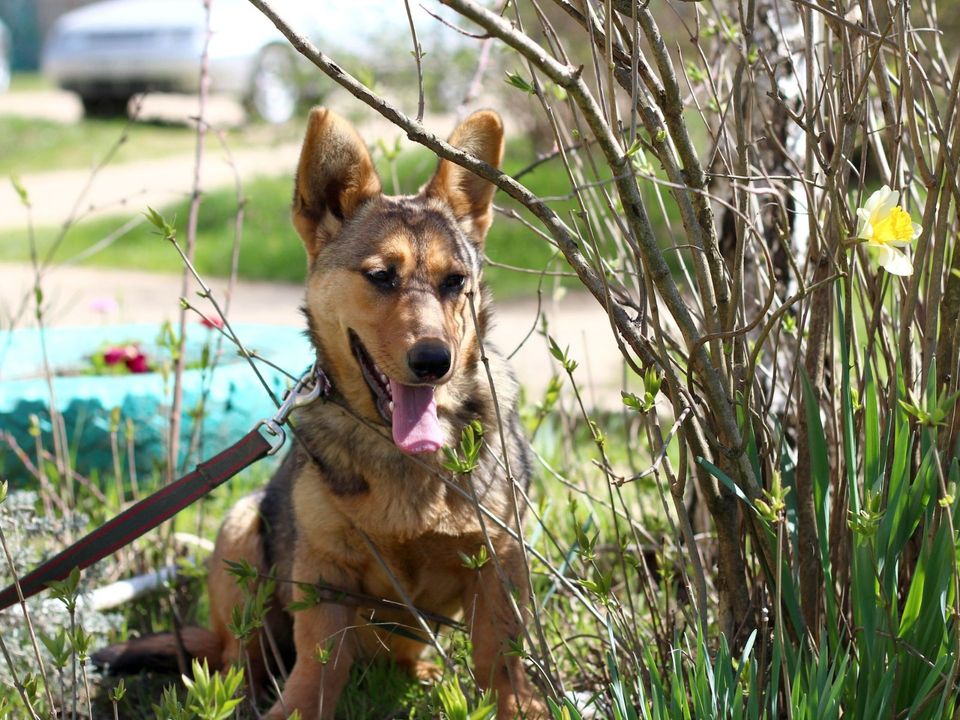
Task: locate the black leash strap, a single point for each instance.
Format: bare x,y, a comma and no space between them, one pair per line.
168,501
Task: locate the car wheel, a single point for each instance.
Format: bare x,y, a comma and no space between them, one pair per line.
104,106
274,87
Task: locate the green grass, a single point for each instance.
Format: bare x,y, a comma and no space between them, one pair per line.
33,145
29,81
270,249
30,145
376,690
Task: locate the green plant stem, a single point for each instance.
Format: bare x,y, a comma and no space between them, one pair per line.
16,680
29,623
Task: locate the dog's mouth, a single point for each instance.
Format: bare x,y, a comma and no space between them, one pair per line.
410,410
378,382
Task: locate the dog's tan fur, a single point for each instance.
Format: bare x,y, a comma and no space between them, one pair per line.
346,487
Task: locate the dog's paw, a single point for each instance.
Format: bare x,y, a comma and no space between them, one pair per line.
281,712
423,670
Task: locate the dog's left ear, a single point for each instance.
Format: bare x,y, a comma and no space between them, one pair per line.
468,195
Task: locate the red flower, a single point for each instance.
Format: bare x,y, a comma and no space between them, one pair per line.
138,363
211,322
129,355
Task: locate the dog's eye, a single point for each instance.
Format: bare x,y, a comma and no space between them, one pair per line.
453,283
382,278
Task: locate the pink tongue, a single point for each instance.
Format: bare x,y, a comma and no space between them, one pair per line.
416,428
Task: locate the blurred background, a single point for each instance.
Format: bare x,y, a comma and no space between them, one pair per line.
112,85
98,123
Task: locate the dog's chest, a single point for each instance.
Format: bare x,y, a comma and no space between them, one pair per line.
398,510
430,569
403,509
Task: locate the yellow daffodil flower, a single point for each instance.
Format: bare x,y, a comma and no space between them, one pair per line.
886,227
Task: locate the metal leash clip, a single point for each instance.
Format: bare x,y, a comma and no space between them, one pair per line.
312,385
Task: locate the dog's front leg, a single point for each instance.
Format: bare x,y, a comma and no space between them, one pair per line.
493,625
325,653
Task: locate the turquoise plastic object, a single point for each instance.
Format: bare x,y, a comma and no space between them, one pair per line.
235,398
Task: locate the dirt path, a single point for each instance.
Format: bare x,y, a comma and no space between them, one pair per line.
132,187
62,194
71,296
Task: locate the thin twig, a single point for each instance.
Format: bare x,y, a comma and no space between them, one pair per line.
180,359
418,57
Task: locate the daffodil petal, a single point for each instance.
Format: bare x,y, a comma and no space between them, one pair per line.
887,203
917,230
880,203
898,263
864,227
875,199
880,253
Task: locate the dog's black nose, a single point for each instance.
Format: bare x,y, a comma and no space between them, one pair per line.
429,359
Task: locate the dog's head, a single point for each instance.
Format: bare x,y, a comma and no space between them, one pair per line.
389,277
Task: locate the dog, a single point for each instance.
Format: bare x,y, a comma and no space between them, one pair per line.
397,309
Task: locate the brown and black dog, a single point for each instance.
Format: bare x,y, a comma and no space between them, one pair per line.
362,502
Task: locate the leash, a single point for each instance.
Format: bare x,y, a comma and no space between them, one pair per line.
266,438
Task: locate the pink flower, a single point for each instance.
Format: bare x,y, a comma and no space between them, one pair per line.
212,322
104,305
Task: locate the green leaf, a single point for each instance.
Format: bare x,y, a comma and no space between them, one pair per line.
20,190
455,703
872,455
243,571
157,220
558,92
58,647
695,74
563,356
820,476
119,690
311,598
726,480
476,561
66,590
518,82
566,711
555,350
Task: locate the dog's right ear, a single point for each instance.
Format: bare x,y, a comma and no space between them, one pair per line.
334,177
